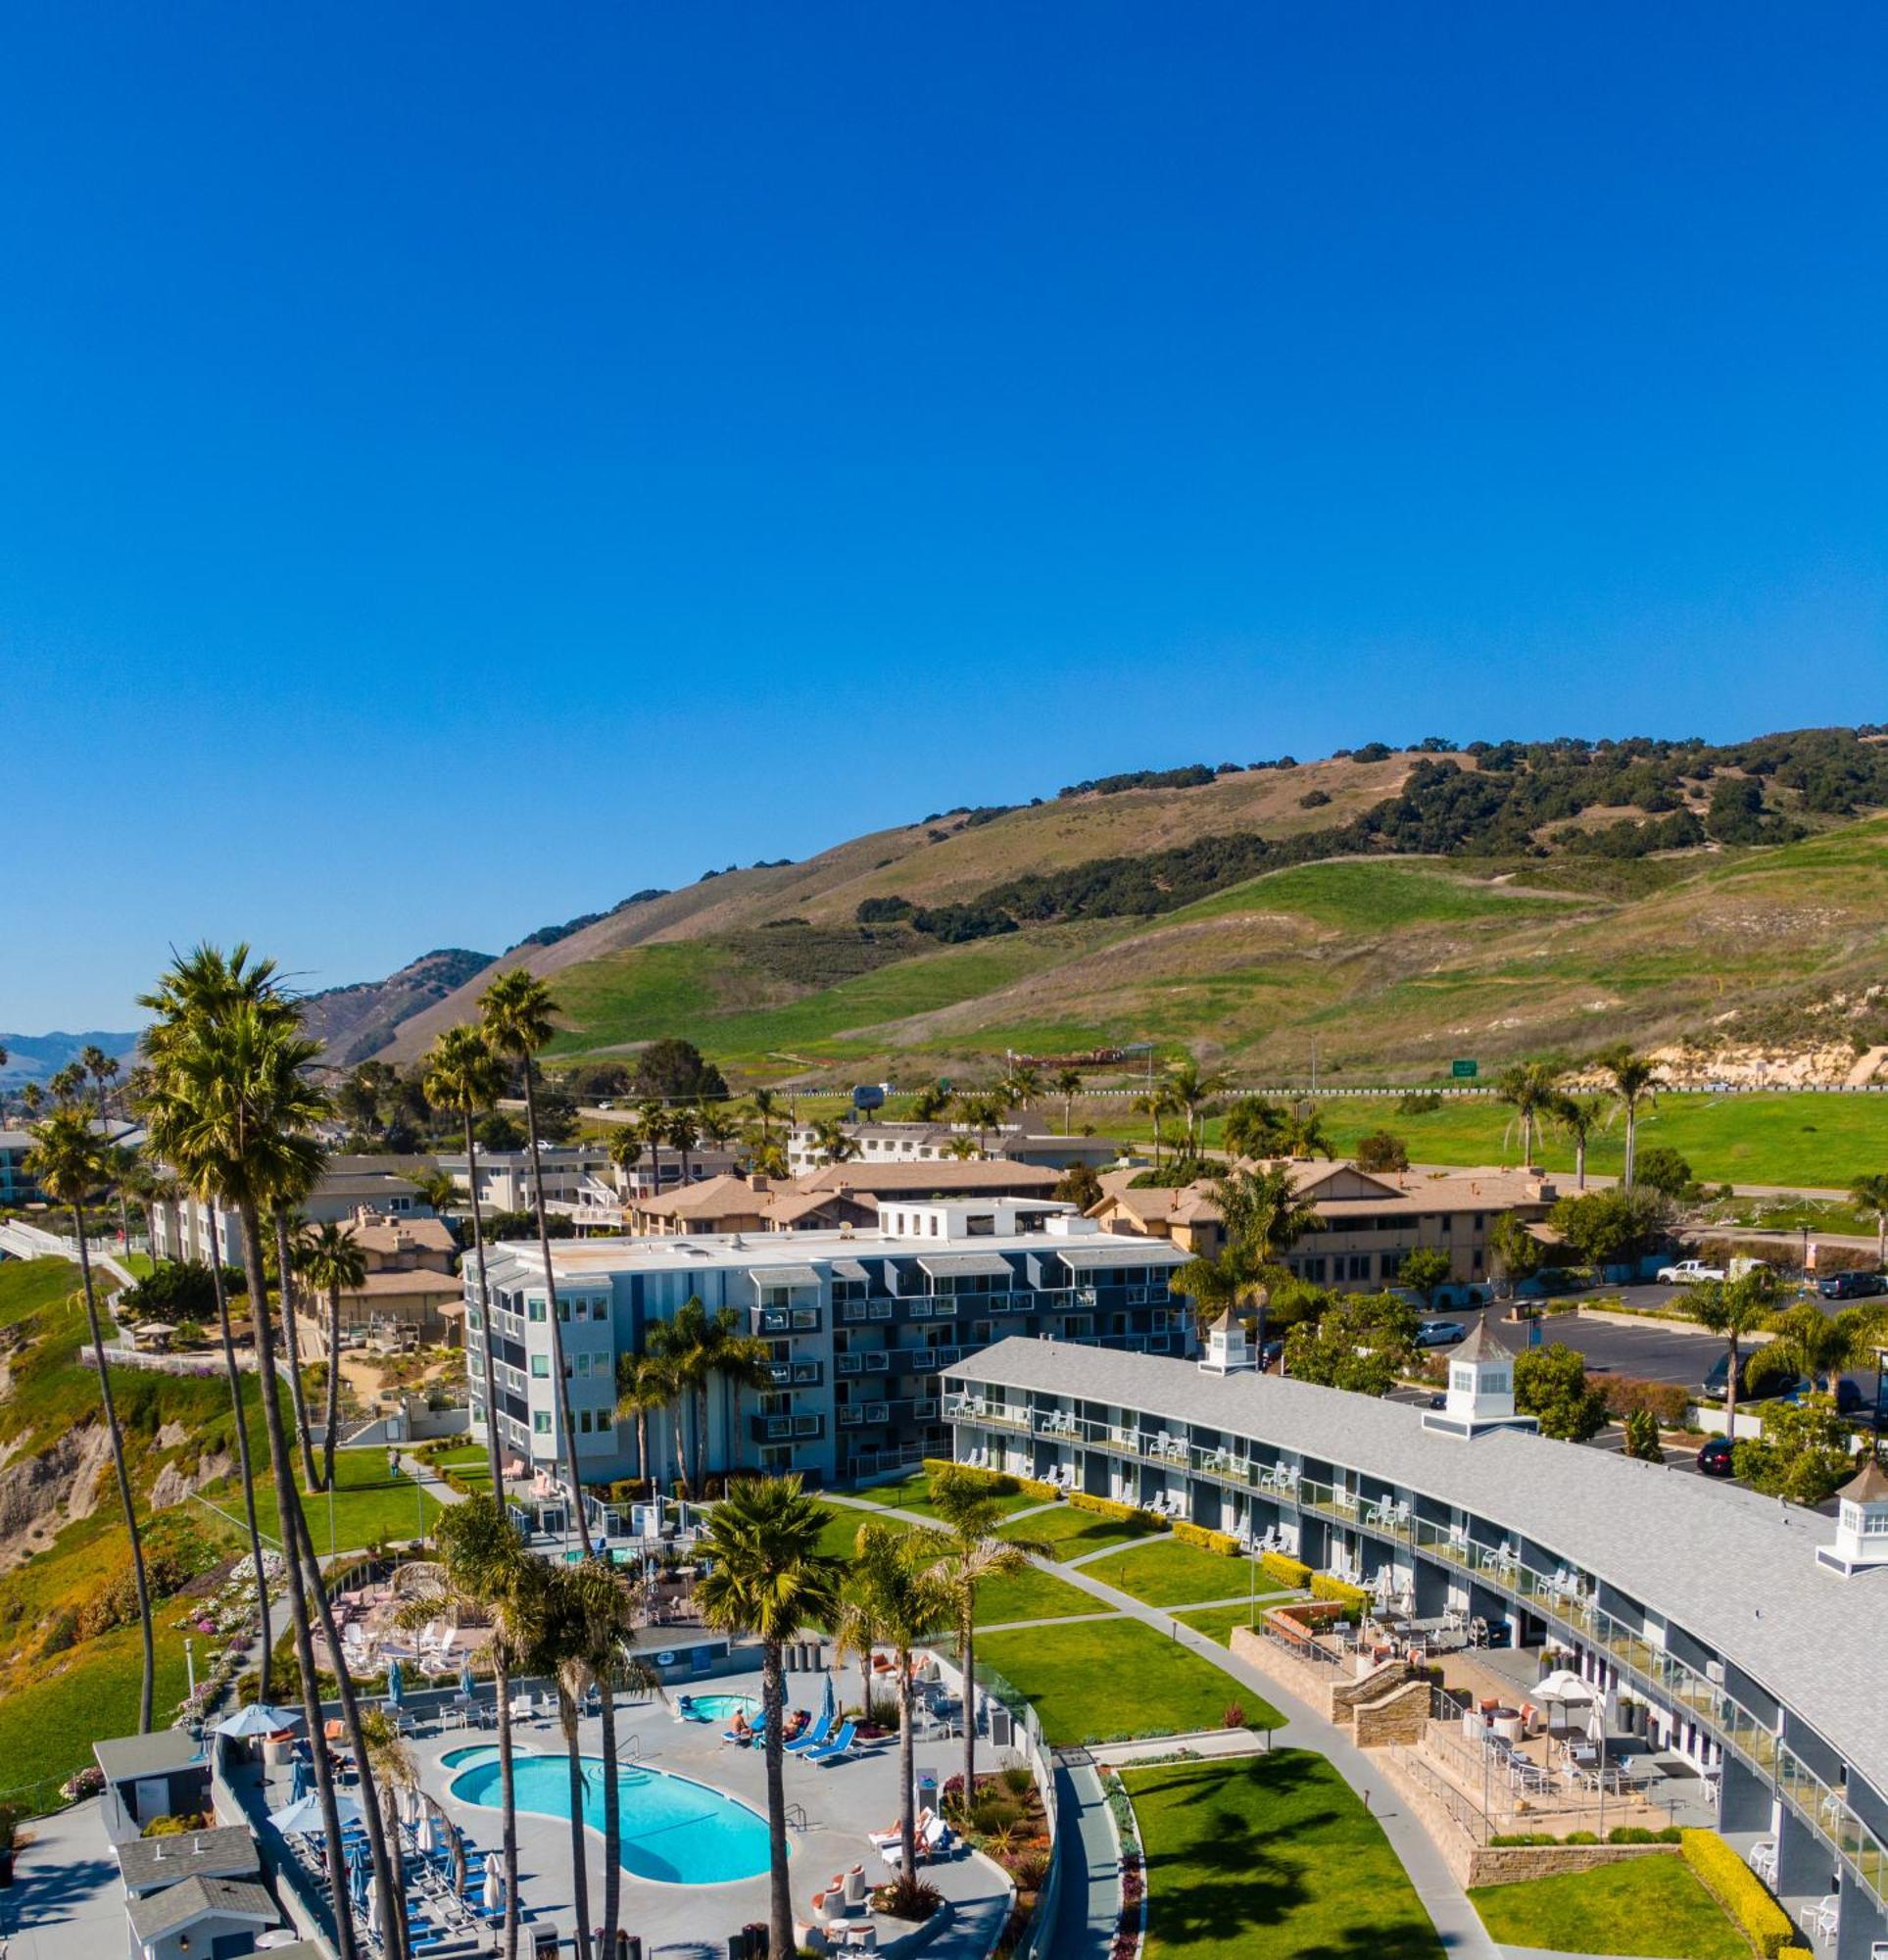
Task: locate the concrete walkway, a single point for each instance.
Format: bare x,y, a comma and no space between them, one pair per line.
1088,1906
66,1899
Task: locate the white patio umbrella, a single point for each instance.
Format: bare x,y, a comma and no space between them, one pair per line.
427,1838
494,1885
259,1719
1564,1688
304,1814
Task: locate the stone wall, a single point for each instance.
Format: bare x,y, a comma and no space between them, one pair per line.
1400,1716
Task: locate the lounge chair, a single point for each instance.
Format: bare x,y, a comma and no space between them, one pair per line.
919,1824
840,1745
815,1737
754,1732
935,1840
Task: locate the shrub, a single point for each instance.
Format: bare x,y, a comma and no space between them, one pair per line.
1666,1402
1738,1889
1016,1779
1234,1715
908,1897
1643,1437
1222,1542
1106,1507
1289,1572
1355,1600
1580,1838
1381,1149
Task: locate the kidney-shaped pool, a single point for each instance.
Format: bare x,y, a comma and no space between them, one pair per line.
675,1831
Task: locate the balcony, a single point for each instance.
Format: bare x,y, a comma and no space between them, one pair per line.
786,1428
973,1409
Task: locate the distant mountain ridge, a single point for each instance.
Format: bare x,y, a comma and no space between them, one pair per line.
33,1058
358,1020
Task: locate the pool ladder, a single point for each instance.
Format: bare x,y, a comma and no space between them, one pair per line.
796,1818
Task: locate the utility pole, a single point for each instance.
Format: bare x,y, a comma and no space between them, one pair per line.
1314,1064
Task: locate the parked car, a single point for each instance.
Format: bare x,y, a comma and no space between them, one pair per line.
1689,1272
1755,1381
1439,1333
1851,1286
1715,1459
1852,1403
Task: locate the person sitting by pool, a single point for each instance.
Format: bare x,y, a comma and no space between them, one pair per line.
797,1723
741,1731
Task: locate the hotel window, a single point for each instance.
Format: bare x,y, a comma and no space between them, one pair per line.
541,1367
583,1364
536,1311
541,1422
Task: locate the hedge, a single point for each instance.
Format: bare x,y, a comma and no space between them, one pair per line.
1626,1834
1668,1402
1106,1507
1738,1889
1222,1542
1292,1573
1324,1586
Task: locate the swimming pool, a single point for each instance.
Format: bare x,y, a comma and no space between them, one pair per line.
457,1759
721,1707
675,1831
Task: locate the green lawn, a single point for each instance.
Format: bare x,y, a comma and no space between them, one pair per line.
1070,1531
1164,1572
913,1494
1217,1622
1108,1679
26,1286
1650,1907
1273,1855
369,1504
1034,1594
469,1462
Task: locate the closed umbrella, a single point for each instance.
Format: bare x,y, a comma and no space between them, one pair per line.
466,1677
426,1836
357,1875
297,1781
396,1686
494,1885
826,1708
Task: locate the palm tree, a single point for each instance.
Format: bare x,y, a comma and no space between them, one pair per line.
436,1188
1820,1345
514,1013
961,1556
101,1068
764,1106
833,1142
461,1073
1263,1215
232,1106
483,1563
1578,1117
332,1263
684,1135
981,1111
910,1604
290,1195
1252,1128
670,1346
961,1149
1733,1309
1022,1084
1301,1135
1633,1079
1152,1105
717,1126
931,1101
645,1385
857,1631
652,1125
739,1361
766,1156
67,1159
767,1577
1191,1089
1871,1194
625,1148
1067,1083
1530,1089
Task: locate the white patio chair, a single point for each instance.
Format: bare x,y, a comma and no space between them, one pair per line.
1825,1916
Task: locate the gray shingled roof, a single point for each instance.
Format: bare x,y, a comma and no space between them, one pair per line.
226,1853
170,1911
163,1751
1736,1570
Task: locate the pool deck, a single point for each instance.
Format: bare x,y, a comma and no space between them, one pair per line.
840,1802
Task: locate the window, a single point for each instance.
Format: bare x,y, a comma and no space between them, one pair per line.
583,1364
536,1311
583,1422
541,1367
541,1422
563,1311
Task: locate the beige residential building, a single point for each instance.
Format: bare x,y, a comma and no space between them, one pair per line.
412,1289
1369,1221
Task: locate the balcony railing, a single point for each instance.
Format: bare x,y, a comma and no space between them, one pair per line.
973,1409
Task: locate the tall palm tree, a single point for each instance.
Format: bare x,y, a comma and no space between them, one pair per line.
1301,1135
332,1263
1262,1215
461,1073
857,1631
1531,1089
910,1604
833,1142
768,1578
1022,1084
67,1159
1252,1128
1577,1116
652,1125
484,1563
625,1148
516,1018
1153,1105
931,1101
684,1136
1871,1194
1190,1090
1067,1083
289,1198
646,1384
101,1068
737,1360
961,1557
1733,1309
232,1104
1822,1344
1632,1079
764,1106
716,1123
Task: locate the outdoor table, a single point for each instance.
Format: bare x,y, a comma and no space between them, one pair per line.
1506,1723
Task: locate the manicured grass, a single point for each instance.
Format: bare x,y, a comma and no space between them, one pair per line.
913,1494
1163,1572
28,1285
1653,1906
1034,1594
1217,1622
1108,1679
470,1463
1070,1531
1273,1855
369,1505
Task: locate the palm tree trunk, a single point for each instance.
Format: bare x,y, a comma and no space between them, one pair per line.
556,1327
967,1655
1631,1141
641,1448
1730,1395
612,1819
334,1386
773,1703
1580,1162
493,1455
579,1870
907,1766
508,1791
291,1348
244,1466
289,1501
681,1458
117,1435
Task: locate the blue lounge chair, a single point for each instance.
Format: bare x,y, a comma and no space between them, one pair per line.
815,1737
840,1745
756,1730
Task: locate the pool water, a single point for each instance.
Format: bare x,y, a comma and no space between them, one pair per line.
457,1759
675,1831
721,1707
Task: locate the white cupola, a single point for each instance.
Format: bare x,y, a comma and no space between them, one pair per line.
1481,1389
1861,1523
1227,1351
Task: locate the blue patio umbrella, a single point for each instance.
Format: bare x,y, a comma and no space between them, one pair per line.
396,1685
466,1677
357,1875
297,1781
826,1708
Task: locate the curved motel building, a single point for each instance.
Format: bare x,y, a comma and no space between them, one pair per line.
1745,1640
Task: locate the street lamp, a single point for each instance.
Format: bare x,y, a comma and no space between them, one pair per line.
190,1666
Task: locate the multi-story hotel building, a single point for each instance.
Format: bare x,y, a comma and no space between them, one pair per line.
1747,1636
860,1325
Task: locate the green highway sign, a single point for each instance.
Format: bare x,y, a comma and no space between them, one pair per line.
1462,1071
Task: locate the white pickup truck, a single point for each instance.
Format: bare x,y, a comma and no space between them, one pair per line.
1688,1272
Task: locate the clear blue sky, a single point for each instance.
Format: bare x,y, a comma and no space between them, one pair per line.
464,463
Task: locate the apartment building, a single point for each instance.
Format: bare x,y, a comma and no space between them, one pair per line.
860,1323
1731,1634
931,1143
379,1184
1367,1221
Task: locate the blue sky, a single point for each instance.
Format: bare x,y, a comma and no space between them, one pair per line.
465,464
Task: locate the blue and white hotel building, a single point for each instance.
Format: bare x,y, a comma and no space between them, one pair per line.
1748,1637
